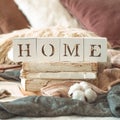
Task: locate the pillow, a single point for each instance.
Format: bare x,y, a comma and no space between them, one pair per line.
99,16
46,13
11,17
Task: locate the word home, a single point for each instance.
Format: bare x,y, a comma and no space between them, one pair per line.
60,49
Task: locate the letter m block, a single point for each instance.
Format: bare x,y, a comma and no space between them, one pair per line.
71,49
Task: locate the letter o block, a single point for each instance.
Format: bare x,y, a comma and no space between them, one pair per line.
48,50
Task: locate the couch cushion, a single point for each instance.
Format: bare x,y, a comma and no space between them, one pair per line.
101,17
10,17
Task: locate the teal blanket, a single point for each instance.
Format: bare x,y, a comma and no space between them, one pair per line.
40,106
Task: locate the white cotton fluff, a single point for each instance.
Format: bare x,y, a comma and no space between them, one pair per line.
82,91
90,95
79,95
73,88
84,85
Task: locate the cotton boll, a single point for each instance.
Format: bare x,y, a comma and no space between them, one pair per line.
90,95
74,87
79,95
84,85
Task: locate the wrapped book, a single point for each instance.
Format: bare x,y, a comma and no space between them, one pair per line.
35,75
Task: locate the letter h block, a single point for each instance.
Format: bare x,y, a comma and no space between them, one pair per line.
24,49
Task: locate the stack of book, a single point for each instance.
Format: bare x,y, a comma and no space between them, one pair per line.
35,75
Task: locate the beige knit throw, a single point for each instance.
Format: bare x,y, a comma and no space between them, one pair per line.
6,39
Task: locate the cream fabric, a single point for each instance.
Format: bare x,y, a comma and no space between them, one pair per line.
46,13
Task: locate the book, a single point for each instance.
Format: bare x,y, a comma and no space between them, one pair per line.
59,66
59,75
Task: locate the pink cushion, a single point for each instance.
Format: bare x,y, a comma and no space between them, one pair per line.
99,16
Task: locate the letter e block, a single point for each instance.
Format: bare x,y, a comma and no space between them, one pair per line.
95,49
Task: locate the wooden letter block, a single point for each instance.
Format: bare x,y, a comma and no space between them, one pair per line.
48,49
75,49
95,49
24,49
71,49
